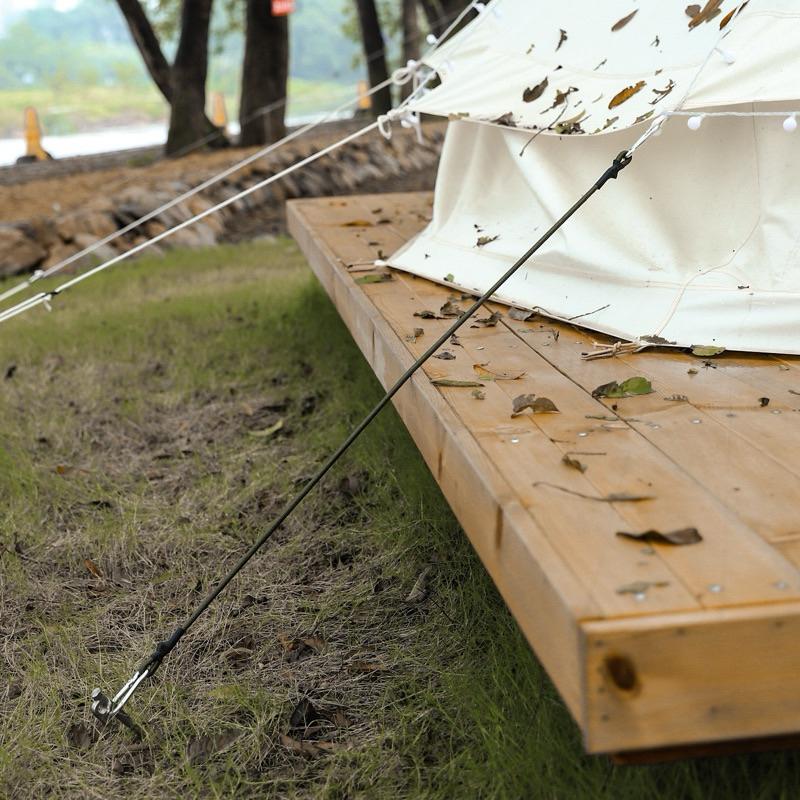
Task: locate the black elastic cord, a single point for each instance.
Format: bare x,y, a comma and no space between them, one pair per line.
164,648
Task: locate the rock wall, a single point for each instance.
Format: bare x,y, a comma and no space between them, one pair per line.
45,241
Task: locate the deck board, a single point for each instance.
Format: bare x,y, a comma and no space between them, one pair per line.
720,462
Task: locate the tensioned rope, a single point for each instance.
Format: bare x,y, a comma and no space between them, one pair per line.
399,77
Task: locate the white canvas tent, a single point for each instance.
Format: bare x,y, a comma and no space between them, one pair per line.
699,240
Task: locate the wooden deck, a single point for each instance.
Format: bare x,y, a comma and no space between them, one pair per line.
710,651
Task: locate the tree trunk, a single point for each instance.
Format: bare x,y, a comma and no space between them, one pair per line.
146,40
188,123
434,16
374,52
452,8
410,40
265,74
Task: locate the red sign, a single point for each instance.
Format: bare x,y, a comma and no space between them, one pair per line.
280,8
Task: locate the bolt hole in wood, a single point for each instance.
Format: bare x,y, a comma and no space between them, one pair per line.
622,673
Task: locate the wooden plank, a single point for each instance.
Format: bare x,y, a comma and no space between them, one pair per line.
697,677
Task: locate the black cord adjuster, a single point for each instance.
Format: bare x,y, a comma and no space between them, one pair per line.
619,164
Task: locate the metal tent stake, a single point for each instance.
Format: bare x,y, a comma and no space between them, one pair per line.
105,709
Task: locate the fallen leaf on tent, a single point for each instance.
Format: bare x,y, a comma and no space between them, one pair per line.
78,735
267,432
707,351
641,587
506,119
692,10
618,26
609,122
201,748
307,748
534,92
604,61
455,383
357,223
445,356
678,398
573,463
643,117
493,375
572,125
484,240
679,537
381,277
562,37
763,401
729,16
92,567
451,309
420,590
487,322
520,314
662,93
709,11
449,277
425,314
614,497
478,394
628,388
629,91
412,337
560,98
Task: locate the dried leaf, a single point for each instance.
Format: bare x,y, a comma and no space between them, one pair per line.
678,537
267,432
569,126
614,497
451,309
562,37
506,119
626,94
420,590
93,568
367,666
520,314
763,401
628,388
357,223
78,735
709,11
618,26
412,337
729,16
534,92
484,240
678,398
494,375
643,117
641,587
445,355
425,314
573,463
450,382
692,10
201,748
478,394
304,715
561,98
449,277
521,403
609,122
488,322
380,277
307,748
662,93
544,405
707,351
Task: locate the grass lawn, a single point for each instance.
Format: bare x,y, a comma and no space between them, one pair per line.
140,453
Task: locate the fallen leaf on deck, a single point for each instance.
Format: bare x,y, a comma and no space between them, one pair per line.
493,375
381,277
792,391
306,747
451,309
573,463
614,497
628,388
412,337
484,240
562,37
357,223
534,92
522,402
679,537
454,383
420,590
641,587
487,322
267,432
445,356
706,351
629,91
763,401
425,314
92,567
678,398
201,748
520,314
478,394
617,26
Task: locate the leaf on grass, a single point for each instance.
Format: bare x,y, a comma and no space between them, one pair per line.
78,735
629,91
494,375
534,92
93,568
425,314
619,25
573,463
381,277
357,223
267,432
445,355
420,590
451,309
412,337
641,587
707,351
520,314
484,240
562,37
679,537
614,497
201,748
487,322
306,747
478,394
455,383
628,388
367,667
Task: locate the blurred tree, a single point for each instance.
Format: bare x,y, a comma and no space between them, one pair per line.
410,39
375,54
265,74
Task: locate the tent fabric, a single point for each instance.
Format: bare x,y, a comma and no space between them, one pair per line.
697,243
